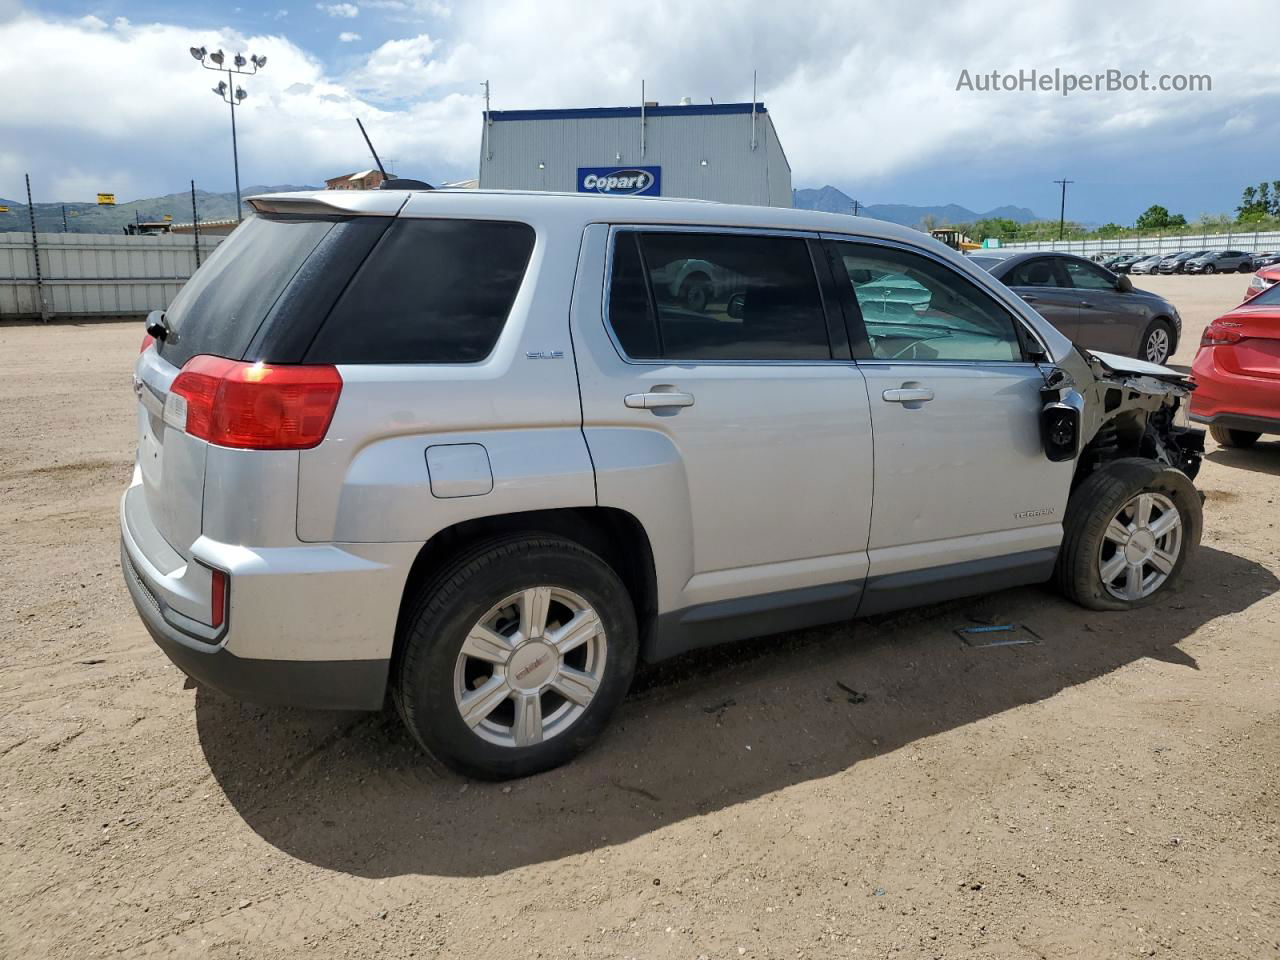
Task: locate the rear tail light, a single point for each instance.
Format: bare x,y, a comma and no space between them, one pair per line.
218,597
1219,334
1257,283
256,406
147,340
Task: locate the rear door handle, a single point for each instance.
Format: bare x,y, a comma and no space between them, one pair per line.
1086,304
1030,298
655,400
908,395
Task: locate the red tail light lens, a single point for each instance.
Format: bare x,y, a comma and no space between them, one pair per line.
218,597
255,406
147,340
1219,334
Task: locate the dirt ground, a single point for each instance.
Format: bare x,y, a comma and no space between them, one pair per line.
1109,792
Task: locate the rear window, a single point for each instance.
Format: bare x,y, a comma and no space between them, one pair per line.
220,308
432,291
1269,296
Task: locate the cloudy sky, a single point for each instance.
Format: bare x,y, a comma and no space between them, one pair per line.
104,95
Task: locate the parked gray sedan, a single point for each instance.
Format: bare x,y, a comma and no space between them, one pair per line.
1088,303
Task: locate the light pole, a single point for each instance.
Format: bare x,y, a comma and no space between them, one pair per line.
230,94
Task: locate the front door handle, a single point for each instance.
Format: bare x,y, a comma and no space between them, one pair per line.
909,395
1086,304
657,399
1030,298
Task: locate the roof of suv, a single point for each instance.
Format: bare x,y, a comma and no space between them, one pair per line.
586,208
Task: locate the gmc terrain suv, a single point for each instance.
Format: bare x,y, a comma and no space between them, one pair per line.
482,451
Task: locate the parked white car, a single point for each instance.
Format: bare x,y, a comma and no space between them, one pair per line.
461,448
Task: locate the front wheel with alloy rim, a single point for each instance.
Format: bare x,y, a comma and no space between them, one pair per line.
1128,531
515,656
1157,342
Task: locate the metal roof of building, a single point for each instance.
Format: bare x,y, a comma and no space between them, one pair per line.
611,113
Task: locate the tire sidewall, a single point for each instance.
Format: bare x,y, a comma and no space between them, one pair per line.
1091,508
442,622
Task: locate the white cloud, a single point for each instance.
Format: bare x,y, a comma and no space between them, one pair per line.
348,37
854,98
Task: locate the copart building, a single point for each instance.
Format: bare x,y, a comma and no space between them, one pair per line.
718,151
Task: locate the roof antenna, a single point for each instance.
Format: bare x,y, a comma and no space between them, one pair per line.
391,183
381,169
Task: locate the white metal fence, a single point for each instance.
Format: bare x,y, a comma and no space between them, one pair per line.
93,275
1252,241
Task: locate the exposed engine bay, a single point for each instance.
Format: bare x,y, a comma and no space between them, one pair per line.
1099,407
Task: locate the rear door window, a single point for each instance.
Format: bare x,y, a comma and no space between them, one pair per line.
708,296
432,291
220,308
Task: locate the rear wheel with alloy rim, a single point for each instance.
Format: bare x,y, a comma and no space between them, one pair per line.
1157,342
515,656
1128,531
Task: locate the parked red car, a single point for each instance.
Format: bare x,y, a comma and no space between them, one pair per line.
1237,372
1264,279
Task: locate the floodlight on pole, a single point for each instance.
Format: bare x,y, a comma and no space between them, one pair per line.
233,96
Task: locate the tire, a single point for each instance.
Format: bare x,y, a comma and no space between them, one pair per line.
695,292
1227,437
1159,341
1210,268
1087,545
1246,268
433,679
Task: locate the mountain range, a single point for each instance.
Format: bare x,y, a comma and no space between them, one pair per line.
832,200
92,218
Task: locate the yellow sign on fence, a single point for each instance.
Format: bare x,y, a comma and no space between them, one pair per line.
4,209
168,218
106,199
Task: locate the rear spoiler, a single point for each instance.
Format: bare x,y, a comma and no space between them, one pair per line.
337,203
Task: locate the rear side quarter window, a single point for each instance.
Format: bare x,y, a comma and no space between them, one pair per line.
432,291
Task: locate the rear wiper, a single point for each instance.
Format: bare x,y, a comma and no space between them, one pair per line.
157,326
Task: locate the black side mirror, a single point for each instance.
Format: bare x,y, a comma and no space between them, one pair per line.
1060,431
1124,284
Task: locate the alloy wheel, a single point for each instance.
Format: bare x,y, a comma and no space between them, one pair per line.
530,666
1157,350
1140,547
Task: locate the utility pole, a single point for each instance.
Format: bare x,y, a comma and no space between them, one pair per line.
857,204
64,218
1062,210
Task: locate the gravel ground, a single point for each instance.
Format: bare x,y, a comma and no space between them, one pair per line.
1111,791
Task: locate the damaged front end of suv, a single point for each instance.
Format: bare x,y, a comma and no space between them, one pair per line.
1100,407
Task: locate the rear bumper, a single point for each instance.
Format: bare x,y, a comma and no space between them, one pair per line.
309,625
1233,400
319,684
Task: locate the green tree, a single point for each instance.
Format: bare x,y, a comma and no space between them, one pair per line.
1110,230
1156,217
1275,198
1251,207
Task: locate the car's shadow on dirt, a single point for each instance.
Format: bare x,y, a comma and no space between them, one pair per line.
351,792
1263,457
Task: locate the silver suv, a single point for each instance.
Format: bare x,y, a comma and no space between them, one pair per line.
477,451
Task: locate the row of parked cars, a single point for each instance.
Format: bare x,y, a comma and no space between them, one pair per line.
1189,261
